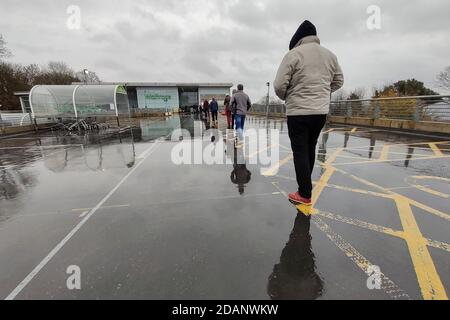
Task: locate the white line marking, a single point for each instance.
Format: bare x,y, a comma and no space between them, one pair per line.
58,247
84,213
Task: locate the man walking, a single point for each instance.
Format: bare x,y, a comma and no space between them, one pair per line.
308,74
242,104
214,112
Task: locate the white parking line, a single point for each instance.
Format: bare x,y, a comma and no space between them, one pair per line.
84,213
60,245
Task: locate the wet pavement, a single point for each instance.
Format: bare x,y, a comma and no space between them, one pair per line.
139,226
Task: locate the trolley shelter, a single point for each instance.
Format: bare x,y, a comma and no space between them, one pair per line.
78,101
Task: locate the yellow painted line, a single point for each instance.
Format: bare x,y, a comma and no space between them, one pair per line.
413,202
354,130
427,189
381,229
329,171
384,153
354,255
436,212
359,260
431,191
260,151
104,207
274,169
427,276
392,160
436,149
361,224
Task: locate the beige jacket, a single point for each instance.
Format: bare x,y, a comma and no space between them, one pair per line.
306,78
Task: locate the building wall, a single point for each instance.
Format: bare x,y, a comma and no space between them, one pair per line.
157,98
209,93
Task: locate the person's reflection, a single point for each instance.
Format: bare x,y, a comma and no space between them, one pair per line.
373,141
240,175
346,139
322,154
295,277
409,156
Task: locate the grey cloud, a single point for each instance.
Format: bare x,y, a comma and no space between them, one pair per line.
229,40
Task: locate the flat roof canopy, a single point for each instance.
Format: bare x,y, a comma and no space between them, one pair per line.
78,100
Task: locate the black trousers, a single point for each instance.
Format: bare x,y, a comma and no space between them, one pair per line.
304,132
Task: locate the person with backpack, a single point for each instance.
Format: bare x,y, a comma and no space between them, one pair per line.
307,76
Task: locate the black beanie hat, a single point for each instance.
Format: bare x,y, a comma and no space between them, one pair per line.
305,29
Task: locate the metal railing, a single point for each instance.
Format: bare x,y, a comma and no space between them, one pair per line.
274,109
17,119
420,108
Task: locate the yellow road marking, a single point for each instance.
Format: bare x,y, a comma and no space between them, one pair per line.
431,191
274,169
426,188
392,160
436,150
317,191
104,207
381,229
354,130
427,276
384,153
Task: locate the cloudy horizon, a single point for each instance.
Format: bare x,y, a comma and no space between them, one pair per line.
231,40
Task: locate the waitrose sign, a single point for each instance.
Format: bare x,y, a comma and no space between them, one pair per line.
157,98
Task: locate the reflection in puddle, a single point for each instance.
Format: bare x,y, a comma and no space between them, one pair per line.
295,277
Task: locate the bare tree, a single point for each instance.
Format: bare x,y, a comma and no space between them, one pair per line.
339,95
357,94
443,79
4,51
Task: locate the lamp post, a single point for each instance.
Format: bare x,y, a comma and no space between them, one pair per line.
267,101
86,73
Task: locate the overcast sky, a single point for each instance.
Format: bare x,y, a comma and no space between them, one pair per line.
238,41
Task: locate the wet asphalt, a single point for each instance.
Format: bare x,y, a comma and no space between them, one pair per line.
139,226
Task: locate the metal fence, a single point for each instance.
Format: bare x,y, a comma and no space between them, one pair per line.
18,119
423,108
420,108
274,109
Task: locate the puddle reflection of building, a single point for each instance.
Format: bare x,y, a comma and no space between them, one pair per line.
102,156
15,176
295,277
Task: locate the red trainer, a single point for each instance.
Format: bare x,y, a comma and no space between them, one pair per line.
296,199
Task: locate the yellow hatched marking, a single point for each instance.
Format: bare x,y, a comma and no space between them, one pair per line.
274,169
427,276
436,150
384,153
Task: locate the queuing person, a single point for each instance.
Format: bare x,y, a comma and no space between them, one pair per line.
307,76
206,109
227,105
242,104
214,106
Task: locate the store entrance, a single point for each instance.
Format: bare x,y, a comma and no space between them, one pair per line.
188,99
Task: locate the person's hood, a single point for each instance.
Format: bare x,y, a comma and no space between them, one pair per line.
306,40
304,30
